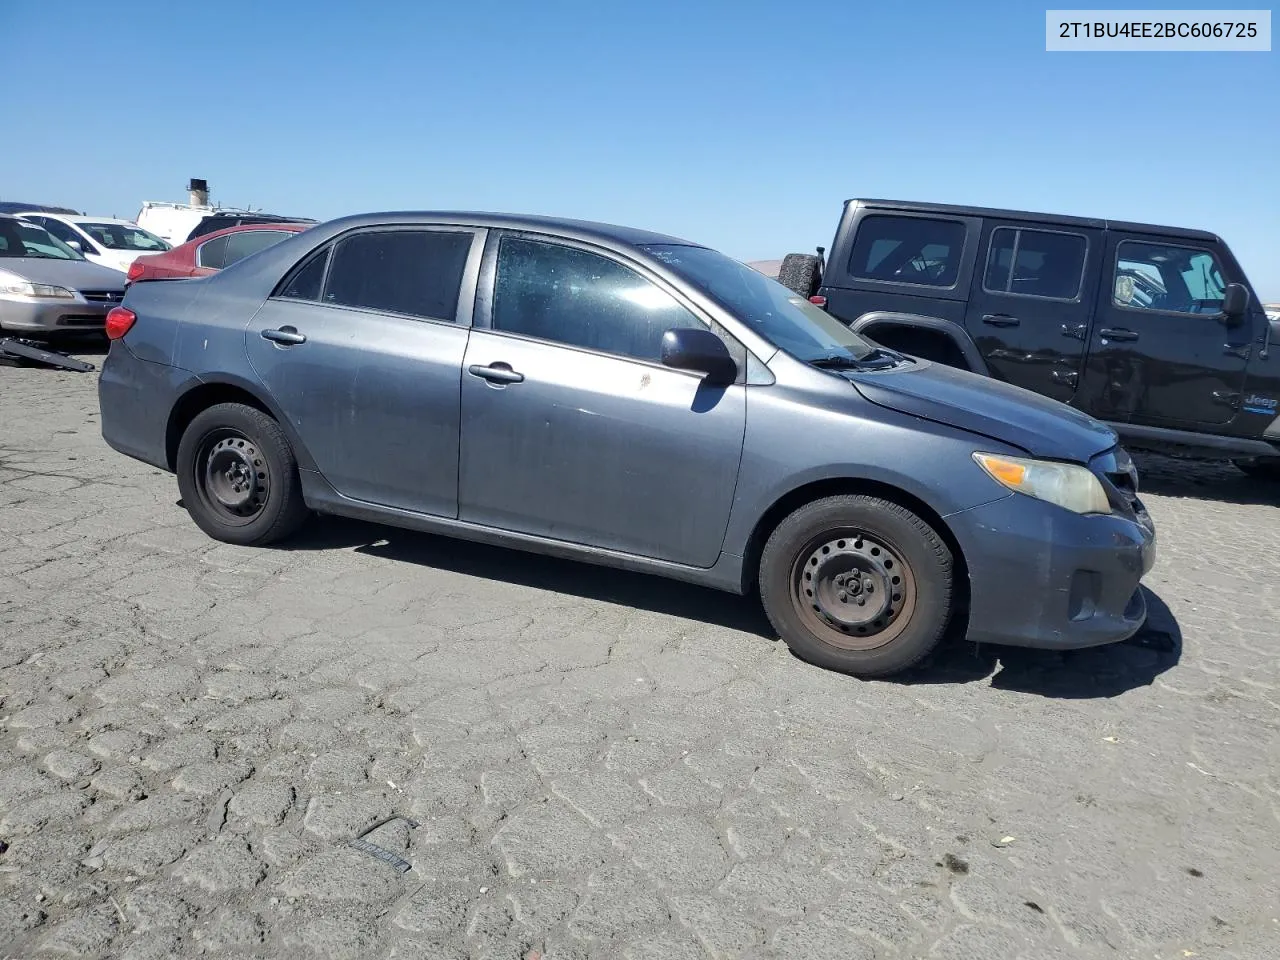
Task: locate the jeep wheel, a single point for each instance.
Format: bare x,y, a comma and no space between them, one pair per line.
1263,468
801,272
857,584
238,476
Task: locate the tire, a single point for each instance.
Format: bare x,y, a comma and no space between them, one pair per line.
260,476
1261,468
882,541
801,272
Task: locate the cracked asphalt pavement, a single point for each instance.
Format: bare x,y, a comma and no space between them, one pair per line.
599,764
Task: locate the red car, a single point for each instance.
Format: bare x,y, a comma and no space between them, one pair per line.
212,252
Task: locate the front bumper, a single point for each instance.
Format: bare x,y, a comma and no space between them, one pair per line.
50,315
1041,576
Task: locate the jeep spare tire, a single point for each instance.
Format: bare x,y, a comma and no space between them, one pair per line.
801,272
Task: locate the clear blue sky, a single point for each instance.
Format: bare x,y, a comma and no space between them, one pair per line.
738,124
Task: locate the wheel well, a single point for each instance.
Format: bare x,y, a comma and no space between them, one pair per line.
191,403
838,486
919,342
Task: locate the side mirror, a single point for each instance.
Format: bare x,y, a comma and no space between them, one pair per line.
702,352
75,245
1235,302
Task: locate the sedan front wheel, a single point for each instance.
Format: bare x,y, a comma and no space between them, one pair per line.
857,584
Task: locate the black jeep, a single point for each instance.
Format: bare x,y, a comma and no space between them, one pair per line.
1155,330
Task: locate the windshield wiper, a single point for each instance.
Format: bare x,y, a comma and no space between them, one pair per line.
878,357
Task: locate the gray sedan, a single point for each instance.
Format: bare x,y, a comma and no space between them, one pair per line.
634,400
46,287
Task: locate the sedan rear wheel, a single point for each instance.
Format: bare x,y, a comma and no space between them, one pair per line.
238,476
857,584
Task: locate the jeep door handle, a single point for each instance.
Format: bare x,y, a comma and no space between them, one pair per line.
1117,333
285,335
495,373
1000,320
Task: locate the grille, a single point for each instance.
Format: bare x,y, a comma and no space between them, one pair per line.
103,296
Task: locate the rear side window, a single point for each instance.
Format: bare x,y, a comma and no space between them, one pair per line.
306,282
908,250
414,272
1035,263
213,254
240,245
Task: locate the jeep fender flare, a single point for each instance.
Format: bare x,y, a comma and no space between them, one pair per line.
868,323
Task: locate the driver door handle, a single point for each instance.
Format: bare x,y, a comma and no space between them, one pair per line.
1000,320
285,335
1117,333
496,373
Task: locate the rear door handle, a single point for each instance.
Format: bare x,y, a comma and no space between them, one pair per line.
495,373
285,335
1000,320
1117,333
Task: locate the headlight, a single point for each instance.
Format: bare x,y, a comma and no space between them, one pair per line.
1068,485
15,285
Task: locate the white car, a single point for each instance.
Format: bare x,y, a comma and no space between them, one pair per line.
102,240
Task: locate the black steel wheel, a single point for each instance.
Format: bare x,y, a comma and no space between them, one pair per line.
238,476
857,584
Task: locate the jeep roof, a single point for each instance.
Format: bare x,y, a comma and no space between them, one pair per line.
1057,219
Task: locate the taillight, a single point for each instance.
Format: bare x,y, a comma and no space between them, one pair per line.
135,271
119,322
819,300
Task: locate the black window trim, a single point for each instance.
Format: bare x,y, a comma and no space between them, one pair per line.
1159,242
489,275
966,225
464,312
1019,230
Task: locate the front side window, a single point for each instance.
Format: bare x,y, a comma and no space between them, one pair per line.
414,272
64,233
908,250
1035,263
240,245
574,297
1173,279
123,236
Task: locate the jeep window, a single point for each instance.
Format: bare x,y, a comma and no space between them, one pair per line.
788,321
1035,263
1172,279
908,250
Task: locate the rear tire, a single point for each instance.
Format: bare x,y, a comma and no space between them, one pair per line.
238,476
857,584
802,273
1261,468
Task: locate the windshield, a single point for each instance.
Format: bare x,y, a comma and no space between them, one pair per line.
19,239
784,318
123,236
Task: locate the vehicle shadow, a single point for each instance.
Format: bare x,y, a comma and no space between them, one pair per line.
1098,672
1220,480
1095,672
642,591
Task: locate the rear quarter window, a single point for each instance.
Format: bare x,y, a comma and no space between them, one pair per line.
915,250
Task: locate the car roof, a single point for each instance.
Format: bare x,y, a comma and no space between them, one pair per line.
119,220
609,233
286,225
1056,219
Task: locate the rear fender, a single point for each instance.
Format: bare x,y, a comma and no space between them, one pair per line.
868,323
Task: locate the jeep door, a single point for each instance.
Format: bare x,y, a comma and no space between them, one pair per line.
1160,351
1030,305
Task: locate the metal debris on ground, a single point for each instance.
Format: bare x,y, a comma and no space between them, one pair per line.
16,352
359,843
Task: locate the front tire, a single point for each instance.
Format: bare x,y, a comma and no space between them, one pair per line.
857,584
1261,468
238,476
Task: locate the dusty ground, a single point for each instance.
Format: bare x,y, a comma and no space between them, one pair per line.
599,764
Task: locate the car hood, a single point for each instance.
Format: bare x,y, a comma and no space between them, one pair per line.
76,274
957,398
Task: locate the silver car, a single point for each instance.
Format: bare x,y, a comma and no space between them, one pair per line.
46,287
